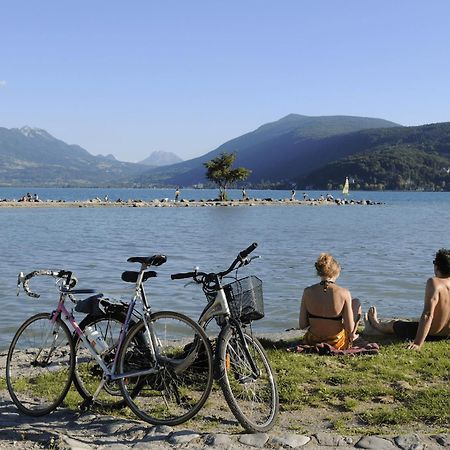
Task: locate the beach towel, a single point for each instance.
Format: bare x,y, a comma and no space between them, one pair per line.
326,349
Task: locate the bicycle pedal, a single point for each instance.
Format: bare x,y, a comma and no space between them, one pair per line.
86,405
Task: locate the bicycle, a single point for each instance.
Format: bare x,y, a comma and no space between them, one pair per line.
155,362
242,367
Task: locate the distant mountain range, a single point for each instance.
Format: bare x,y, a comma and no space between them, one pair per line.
277,153
301,151
31,156
160,158
319,152
404,158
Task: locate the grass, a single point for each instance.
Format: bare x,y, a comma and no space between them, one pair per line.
397,390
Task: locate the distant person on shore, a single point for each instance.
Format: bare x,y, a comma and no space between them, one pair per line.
305,196
434,323
327,310
177,194
35,198
244,194
293,194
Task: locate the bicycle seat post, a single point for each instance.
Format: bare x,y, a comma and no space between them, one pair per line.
139,278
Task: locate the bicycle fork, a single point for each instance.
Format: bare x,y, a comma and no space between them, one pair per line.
54,332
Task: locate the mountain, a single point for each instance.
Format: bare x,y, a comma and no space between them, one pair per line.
277,152
396,158
160,158
314,152
31,156
109,156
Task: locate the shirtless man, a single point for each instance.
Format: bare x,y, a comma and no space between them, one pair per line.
434,322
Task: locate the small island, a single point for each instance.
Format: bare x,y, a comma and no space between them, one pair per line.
169,203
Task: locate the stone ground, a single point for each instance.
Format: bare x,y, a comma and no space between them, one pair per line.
65,429
213,428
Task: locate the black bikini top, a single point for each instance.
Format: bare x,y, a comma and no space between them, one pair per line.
313,316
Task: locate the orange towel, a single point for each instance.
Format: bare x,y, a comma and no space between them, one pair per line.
340,341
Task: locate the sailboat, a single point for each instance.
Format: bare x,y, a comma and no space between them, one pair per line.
346,187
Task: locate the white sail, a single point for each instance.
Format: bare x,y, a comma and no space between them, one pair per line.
346,187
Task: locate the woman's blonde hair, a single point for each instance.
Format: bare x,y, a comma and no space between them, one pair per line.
327,266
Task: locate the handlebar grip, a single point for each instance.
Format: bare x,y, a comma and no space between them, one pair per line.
180,276
248,250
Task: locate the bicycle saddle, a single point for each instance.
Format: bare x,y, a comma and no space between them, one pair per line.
155,260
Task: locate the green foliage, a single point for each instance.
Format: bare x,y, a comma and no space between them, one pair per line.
416,158
219,171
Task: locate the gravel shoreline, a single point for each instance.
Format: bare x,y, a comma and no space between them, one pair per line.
65,429
177,204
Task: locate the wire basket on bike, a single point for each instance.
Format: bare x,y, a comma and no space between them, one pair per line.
245,299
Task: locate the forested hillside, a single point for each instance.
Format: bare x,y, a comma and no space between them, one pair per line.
398,158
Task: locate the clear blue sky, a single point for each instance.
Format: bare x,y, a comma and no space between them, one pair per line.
185,76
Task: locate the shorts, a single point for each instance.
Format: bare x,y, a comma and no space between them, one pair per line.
408,330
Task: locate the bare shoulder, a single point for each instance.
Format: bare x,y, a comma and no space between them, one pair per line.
308,289
435,283
436,286
344,292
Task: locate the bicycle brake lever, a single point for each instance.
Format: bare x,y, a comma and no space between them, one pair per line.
249,260
20,280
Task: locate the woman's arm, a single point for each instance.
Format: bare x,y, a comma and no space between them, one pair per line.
303,321
347,316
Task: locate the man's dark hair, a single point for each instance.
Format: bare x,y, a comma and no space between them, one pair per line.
442,261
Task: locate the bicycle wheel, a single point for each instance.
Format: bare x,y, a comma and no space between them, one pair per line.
40,365
252,397
88,374
183,370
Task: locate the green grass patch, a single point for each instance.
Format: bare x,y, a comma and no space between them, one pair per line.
397,387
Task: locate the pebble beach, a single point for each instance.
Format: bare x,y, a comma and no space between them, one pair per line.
167,203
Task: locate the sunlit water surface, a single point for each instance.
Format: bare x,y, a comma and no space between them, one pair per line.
386,251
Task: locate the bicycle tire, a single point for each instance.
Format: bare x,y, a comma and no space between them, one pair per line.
88,374
252,399
37,387
184,379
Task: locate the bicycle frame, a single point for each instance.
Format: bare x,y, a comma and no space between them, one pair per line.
218,308
109,374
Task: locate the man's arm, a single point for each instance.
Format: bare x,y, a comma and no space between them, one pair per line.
431,299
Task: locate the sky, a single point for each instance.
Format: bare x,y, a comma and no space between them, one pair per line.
130,78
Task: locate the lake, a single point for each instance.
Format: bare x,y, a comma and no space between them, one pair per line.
386,251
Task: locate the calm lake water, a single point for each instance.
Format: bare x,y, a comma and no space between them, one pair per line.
386,251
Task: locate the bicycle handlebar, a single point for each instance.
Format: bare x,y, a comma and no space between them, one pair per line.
69,280
179,276
240,259
248,250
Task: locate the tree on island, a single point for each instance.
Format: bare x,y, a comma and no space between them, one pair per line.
219,171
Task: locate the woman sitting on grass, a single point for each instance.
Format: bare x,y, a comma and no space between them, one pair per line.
327,310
